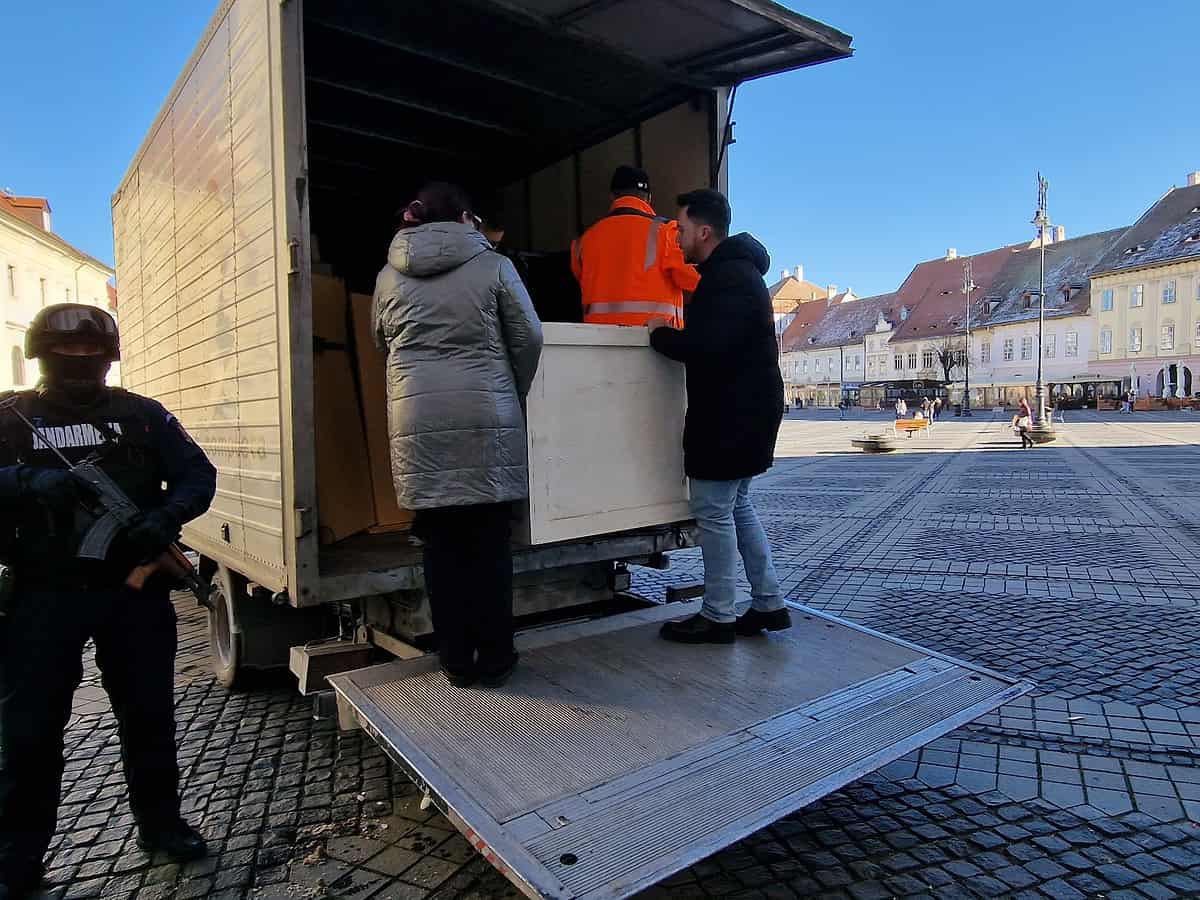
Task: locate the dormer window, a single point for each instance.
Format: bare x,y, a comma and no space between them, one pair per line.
1136,248
1192,238
904,314
1027,301
993,304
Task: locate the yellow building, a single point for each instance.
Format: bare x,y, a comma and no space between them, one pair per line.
1146,300
38,268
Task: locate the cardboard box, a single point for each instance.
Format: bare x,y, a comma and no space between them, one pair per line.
372,377
345,501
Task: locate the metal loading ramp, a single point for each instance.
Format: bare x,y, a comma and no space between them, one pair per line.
613,759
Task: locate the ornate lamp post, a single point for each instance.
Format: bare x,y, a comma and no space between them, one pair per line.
968,286
1042,431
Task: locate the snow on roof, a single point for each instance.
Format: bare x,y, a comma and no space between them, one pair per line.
1160,236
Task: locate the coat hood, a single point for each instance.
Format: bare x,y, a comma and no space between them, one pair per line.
741,246
434,248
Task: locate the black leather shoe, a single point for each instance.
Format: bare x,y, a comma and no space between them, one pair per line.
20,880
498,677
698,630
754,621
459,679
179,841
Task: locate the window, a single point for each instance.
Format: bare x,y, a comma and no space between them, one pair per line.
1106,299
1166,340
927,359
985,352
1050,347
1169,291
830,368
904,314
1072,343
1106,340
1135,340
1027,299
805,364
18,366
912,360
1027,347
899,361
1137,295
42,288
12,281
1008,349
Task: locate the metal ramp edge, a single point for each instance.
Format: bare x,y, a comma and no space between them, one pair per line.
625,834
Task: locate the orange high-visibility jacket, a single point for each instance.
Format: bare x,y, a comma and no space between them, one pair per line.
630,267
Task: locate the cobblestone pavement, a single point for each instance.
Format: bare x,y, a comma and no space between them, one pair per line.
1075,564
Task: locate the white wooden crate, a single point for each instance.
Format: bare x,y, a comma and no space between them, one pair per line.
605,417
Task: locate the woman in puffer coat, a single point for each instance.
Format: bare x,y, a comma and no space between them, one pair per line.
462,342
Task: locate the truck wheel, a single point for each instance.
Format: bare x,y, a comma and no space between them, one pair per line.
224,627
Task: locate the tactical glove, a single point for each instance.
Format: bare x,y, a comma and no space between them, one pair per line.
150,536
56,488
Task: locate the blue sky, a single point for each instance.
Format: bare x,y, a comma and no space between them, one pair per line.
930,137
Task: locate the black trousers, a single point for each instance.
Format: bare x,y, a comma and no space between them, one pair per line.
469,579
41,663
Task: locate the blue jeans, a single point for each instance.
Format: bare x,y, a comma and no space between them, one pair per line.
729,526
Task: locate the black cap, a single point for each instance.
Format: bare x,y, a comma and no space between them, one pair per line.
629,178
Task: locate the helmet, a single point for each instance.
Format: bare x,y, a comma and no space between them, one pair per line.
66,323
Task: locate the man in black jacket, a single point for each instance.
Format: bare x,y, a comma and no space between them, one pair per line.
735,406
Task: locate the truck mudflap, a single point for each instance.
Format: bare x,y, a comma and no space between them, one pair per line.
613,759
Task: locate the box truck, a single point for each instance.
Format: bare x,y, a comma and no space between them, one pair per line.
249,228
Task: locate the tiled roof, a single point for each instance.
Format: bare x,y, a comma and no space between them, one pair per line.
933,292
787,292
1069,264
1168,232
846,323
807,315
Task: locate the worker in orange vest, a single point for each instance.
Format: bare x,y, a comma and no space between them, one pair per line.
629,264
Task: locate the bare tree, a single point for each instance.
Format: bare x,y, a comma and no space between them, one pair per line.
951,354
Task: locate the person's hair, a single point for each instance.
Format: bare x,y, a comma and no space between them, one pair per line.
438,201
708,207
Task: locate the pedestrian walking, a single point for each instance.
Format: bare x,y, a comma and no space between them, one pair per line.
462,343
901,409
735,406
842,405
57,601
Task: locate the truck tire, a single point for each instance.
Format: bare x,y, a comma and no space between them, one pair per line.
225,641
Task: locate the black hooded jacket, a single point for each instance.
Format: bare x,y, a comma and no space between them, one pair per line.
728,344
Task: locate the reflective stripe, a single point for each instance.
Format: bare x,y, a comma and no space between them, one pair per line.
652,244
620,307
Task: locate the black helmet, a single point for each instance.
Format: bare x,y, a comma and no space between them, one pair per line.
72,323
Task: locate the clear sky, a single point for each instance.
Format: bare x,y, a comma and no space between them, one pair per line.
930,137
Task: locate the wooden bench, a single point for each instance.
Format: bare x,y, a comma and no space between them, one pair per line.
910,425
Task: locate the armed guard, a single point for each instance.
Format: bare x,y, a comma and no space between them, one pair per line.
55,601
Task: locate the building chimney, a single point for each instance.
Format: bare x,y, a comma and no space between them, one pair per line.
799,272
1060,233
831,291
1193,179
784,275
951,253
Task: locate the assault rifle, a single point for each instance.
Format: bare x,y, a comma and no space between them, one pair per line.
115,512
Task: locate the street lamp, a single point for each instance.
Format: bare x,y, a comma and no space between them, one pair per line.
968,286
1042,221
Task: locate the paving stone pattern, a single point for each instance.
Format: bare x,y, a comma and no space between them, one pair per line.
1074,565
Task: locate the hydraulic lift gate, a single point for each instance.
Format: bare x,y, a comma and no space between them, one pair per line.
613,759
